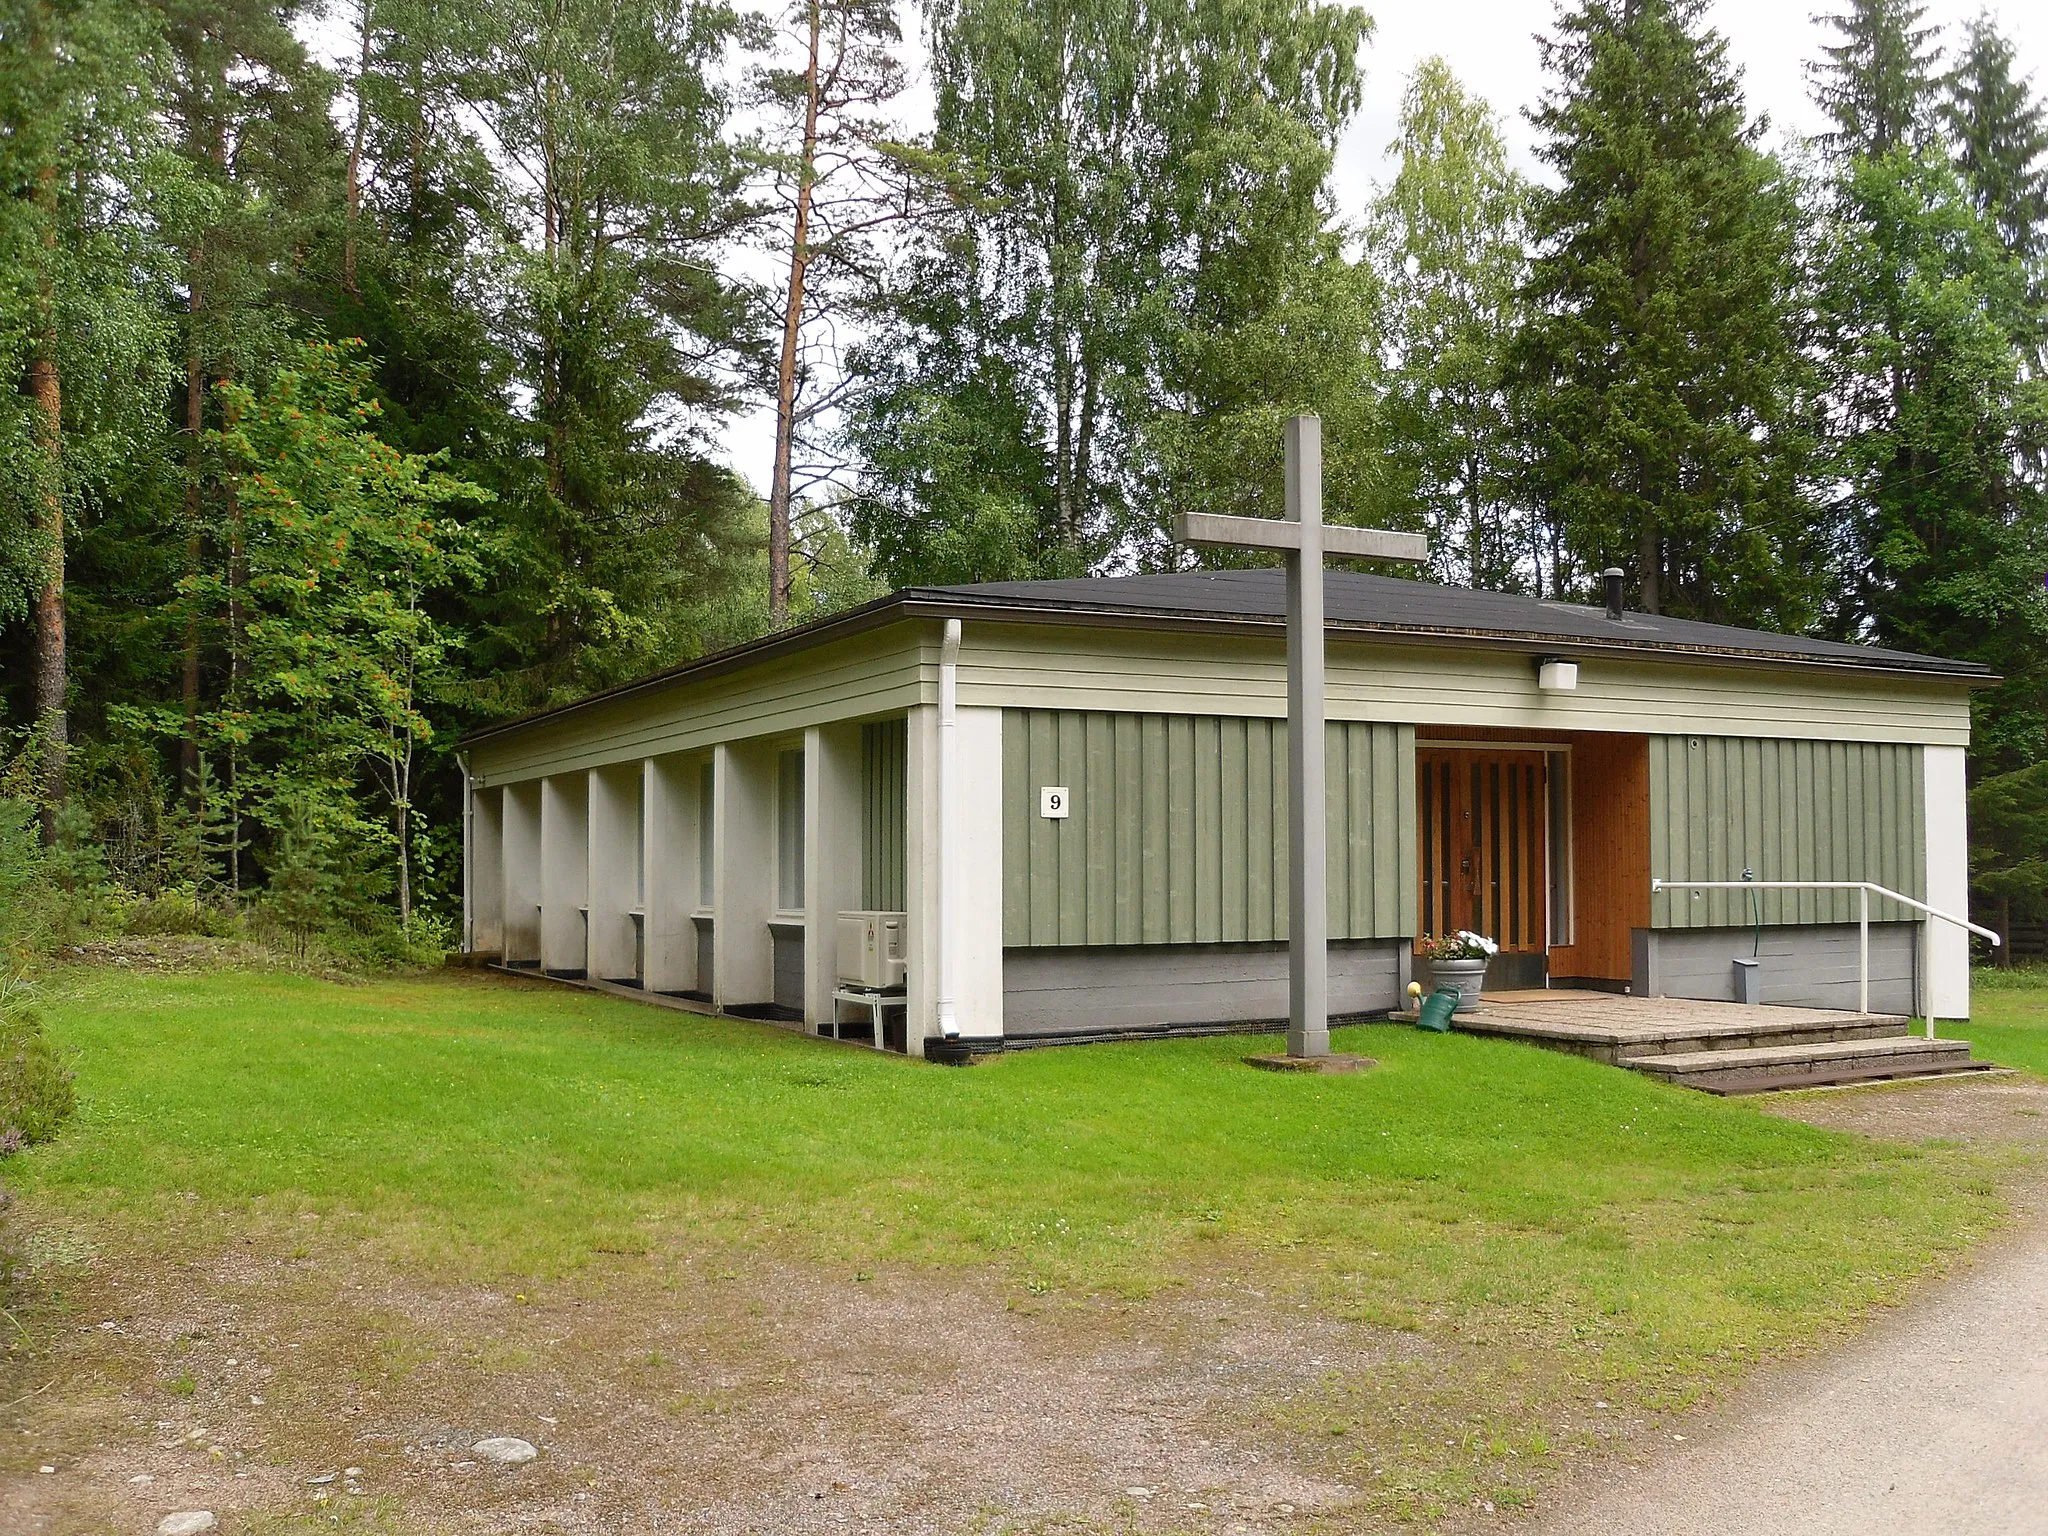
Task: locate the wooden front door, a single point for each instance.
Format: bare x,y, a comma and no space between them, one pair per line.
1485,818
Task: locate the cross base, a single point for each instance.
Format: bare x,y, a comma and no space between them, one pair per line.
1326,1065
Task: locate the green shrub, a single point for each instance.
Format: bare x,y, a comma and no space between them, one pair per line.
36,1092
2027,976
182,911
25,891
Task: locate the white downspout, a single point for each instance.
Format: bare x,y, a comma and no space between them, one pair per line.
468,857
949,676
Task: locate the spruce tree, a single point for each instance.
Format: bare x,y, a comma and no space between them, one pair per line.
1939,427
1877,82
1663,384
1939,431
2000,134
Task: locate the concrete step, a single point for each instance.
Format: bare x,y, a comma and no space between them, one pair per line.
1764,1069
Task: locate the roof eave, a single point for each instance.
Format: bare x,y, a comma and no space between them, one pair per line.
938,602
1529,641
875,615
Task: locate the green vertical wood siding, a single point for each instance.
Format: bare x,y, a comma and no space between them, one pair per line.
1787,810
884,765
1177,831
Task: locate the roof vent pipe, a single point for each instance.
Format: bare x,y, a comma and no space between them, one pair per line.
1611,579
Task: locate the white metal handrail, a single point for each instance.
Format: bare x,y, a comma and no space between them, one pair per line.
1864,889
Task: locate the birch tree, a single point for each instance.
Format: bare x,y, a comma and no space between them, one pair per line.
1449,236
1135,181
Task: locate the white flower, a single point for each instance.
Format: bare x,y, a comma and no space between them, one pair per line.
1480,942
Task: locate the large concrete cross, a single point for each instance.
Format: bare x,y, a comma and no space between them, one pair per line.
1305,539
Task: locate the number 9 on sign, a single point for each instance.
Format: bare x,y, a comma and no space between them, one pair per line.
1052,801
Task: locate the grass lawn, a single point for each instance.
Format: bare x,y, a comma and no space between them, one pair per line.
2009,1017
1554,1230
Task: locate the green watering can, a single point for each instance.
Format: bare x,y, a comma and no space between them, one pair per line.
1437,1009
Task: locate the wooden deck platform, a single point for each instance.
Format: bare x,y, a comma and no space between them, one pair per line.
1719,1047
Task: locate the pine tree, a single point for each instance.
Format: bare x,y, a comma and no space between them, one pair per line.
79,251
1664,388
839,181
1878,83
624,332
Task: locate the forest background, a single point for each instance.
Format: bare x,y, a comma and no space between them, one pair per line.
359,403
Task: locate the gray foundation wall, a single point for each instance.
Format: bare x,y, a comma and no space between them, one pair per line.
1073,989
1802,966
703,926
788,939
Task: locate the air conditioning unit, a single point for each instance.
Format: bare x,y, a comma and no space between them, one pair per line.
872,954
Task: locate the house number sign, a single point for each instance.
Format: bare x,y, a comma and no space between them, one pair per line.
1052,802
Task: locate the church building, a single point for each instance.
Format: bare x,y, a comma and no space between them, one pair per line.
982,817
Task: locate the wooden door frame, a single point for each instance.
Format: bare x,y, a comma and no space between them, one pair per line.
1539,886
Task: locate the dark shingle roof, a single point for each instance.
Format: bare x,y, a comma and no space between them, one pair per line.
1353,601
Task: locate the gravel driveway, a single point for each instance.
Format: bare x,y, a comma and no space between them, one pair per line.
1935,1420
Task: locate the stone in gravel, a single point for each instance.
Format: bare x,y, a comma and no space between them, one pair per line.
505,1450
186,1522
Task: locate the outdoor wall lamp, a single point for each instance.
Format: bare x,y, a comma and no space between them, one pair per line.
1554,676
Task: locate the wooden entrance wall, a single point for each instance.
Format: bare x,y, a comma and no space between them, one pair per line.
1610,857
1484,819
1609,872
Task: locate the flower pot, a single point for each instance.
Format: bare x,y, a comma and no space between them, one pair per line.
1468,976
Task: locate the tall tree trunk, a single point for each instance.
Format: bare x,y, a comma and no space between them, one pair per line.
195,546
1084,444
403,775
792,326
238,659
353,191
205,135
1474,513
553,446
416,154
1650,555
45,389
